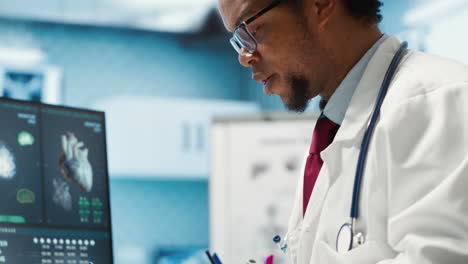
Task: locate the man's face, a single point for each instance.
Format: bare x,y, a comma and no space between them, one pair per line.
289,59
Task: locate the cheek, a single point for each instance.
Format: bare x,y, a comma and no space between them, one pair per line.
274,57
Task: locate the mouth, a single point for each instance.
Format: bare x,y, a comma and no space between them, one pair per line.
267,86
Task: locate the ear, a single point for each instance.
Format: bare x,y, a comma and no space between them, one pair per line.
323,10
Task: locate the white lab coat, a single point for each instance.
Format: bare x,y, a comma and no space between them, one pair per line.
414,202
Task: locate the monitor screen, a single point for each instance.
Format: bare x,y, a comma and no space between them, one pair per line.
54,191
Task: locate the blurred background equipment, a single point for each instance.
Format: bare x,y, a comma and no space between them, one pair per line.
432,26
249,206
25,75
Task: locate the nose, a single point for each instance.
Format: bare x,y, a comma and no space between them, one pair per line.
248,59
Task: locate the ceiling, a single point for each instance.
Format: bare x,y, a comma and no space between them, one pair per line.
175,16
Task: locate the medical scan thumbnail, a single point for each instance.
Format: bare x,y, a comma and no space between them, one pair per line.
7,162
75,171
74,164
62,196
20,171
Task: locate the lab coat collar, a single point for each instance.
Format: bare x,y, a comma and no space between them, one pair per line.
354,124
363,101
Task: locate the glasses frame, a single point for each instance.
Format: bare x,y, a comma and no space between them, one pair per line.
237,42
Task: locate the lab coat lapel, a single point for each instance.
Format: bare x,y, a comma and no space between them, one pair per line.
351,131
360,109
363,101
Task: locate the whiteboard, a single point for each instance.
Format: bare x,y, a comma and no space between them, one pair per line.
256,163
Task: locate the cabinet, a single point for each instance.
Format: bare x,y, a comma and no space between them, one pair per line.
162,137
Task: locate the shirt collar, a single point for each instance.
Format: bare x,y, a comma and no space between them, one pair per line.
336,107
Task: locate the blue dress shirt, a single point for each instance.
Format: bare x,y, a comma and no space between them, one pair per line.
336,107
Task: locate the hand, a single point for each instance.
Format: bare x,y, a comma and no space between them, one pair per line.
74,164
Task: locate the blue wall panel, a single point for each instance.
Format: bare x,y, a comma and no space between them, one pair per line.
150,214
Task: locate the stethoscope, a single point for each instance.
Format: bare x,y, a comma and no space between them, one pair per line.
347,237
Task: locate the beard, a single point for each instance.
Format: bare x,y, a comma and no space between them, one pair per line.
299,98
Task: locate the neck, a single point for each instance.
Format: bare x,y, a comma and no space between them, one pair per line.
346,49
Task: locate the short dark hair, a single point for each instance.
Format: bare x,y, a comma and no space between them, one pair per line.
368,10
365,10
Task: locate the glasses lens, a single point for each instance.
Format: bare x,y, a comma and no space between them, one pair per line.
237,46
245,39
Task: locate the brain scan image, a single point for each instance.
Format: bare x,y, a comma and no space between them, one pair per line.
7,162
74,164
25,138
25,196
62,196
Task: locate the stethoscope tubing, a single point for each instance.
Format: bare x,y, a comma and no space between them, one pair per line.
370,130
365,145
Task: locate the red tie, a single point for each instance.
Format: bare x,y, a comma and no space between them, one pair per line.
324,132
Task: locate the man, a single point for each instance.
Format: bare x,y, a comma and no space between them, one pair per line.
412,206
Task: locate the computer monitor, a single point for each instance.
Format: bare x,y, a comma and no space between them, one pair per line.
54,189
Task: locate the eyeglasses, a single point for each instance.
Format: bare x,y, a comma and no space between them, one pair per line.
242,38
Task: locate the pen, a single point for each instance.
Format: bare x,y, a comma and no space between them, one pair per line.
269,260
281,243
216,258
210,257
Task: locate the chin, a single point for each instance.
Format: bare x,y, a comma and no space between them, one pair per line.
286,100
295,106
